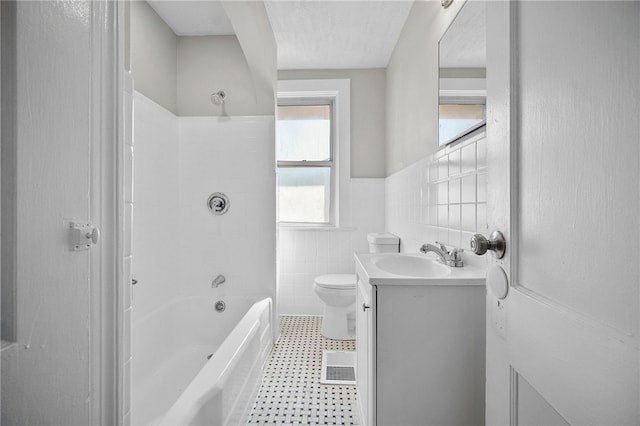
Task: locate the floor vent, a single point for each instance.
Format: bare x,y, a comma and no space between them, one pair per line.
338,368
341,373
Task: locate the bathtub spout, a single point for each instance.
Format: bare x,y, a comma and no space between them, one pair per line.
217,281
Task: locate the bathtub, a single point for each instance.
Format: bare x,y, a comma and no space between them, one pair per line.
174,382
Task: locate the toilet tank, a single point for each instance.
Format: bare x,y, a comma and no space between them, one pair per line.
383,242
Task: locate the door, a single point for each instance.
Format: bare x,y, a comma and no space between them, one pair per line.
58,117
563,154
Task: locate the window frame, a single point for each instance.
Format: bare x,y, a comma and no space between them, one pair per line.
337,90
314,101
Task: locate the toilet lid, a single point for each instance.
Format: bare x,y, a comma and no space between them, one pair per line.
337,281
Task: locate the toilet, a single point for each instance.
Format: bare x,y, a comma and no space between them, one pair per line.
338,292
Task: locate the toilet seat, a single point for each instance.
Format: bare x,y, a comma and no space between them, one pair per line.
337,281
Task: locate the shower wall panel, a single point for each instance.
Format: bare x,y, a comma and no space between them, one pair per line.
179,245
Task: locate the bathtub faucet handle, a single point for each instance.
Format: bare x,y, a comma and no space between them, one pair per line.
217,281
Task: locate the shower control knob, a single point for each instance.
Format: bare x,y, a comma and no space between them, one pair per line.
218,203
496,243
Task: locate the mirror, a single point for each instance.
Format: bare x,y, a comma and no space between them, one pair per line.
462,62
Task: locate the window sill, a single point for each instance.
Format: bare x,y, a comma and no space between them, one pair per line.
314,227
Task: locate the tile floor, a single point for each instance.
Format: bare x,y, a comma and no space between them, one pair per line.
291,393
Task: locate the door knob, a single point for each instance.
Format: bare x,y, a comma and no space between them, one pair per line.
496,243
83,235
94,235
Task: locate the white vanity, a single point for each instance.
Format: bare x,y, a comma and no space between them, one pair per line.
420,341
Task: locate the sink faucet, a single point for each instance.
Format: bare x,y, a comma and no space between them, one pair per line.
451,258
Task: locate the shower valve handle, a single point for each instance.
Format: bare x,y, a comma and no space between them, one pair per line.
218,203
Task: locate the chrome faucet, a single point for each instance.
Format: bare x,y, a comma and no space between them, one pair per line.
451,258
217,281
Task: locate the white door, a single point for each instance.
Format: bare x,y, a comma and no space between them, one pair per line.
564,136
58,80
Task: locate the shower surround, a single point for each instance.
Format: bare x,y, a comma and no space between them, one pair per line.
180,245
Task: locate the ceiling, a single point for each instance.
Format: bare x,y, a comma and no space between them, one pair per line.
311,34
193,18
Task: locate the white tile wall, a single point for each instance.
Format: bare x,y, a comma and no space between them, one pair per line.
154,233
440,198
233,156
305,254
179,245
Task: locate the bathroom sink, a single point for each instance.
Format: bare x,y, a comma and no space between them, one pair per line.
380,269
411,265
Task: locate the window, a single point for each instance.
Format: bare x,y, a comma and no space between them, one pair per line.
313,152
305,154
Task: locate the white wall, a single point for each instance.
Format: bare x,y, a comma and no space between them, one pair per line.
153,50
207,64
305,254
253,29
180,73
440,198
179,246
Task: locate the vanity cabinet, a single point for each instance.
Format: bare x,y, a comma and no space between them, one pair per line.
420,353
364,352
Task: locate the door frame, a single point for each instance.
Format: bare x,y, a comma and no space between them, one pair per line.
106,206
107,211
501,130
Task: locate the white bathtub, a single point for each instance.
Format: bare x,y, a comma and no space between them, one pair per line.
174,383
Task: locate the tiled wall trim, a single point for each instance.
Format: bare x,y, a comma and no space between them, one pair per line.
440,198
128,255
